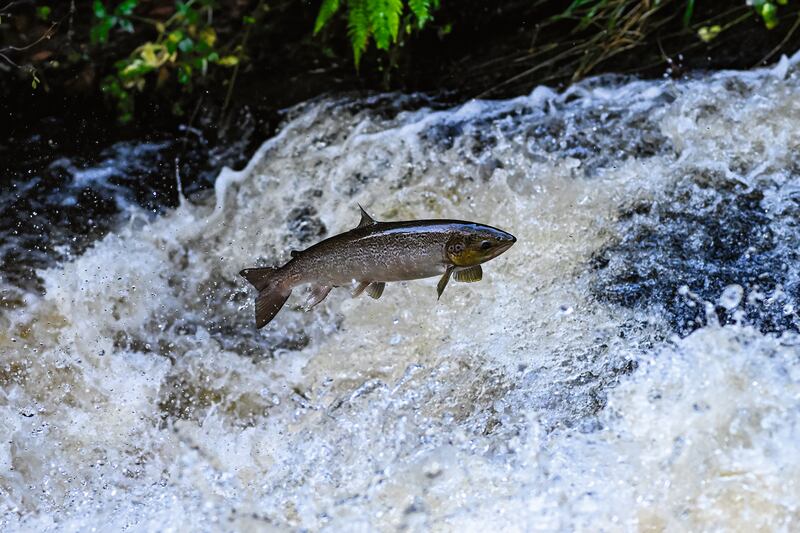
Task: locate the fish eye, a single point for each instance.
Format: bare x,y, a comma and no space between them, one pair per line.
459,248
485,245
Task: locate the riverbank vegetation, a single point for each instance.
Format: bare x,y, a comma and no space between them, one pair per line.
176,51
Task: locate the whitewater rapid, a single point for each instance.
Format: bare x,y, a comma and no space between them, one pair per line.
632,363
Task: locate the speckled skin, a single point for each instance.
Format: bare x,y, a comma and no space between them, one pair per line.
383,252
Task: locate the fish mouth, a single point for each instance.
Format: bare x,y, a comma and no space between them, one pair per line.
505,245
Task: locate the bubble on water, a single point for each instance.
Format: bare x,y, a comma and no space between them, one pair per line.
731,296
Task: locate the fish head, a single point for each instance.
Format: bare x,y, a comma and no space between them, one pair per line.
473,244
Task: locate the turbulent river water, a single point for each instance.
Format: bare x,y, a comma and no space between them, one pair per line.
632,363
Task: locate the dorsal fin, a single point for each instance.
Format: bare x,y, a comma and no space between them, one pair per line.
366,220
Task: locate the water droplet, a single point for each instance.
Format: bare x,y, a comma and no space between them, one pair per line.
731,296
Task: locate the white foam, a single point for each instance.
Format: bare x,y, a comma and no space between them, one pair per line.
135,395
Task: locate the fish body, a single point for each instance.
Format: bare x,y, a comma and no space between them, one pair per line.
375,253
384,251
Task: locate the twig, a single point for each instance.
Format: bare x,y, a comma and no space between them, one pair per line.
567,53
232,82
5,8
782,43
70,30
8,60
45,35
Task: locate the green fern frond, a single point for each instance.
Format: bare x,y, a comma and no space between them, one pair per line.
326,11
421,10
358,27
384,19
376,19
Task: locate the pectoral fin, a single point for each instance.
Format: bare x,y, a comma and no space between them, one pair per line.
317,294
376,289
443,281
469,275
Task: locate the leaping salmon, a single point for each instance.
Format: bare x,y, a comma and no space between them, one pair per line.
375,253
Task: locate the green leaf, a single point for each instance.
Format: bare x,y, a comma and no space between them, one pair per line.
43,12
126,7
208,36
576,4
99,32
384,20
688,12
99,9
357,28
708,34
173,39
190,14
421,10
186,45
126,25
184,74
154,55
326,11
135,69
228,61
769,12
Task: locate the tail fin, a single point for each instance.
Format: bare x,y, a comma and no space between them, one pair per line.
271,294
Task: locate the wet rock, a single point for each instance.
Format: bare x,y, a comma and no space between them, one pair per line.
304,224
708,235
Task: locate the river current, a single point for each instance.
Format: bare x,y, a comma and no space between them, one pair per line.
632,363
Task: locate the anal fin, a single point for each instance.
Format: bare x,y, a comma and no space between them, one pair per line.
469,275
376,289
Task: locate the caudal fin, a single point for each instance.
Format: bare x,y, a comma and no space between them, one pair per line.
271,293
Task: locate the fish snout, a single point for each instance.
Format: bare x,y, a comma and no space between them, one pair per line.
505,241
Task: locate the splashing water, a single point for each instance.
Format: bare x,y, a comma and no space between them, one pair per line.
632,363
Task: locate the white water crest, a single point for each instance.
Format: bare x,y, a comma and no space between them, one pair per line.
632,363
